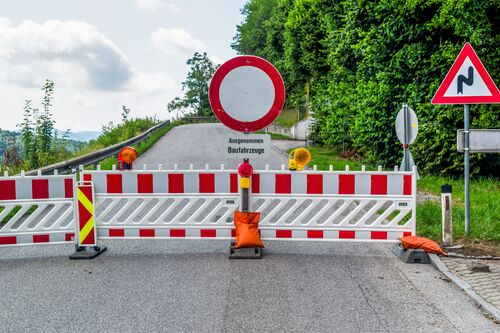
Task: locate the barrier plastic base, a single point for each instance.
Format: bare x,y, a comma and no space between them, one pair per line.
245,253
411,256
87,252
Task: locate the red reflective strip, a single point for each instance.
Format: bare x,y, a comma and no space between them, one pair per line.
233,232
145,183
347,234
87,177
7,240
176,183
40,188
379,235
208,233
346,184
379,184
114,183
314,184
7,190
68,188
407,185
283,183
406,233
283,233
41,239
177,233
69,237
146,232
233,183
314,233
207,183
116,232
255,180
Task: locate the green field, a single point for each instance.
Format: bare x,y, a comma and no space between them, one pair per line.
484,199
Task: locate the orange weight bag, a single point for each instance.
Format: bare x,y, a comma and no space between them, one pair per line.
414,242
247,229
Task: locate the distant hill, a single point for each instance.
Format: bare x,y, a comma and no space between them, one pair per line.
84,136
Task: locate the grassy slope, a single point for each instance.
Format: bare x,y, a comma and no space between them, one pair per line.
287,118
485,200
142,147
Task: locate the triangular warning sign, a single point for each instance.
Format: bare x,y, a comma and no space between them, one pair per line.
467,82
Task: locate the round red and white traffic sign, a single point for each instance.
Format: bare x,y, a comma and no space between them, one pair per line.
247,93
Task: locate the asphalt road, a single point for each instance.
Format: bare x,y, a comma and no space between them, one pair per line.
191,286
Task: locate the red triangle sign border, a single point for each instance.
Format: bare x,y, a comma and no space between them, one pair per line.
467,51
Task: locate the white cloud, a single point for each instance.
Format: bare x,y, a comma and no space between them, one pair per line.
92,76
216,60
71,50
156,4
175,42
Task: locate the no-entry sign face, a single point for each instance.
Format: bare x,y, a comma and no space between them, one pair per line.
247,93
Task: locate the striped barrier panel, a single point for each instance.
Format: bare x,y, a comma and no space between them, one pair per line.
36,210
335,205
192,204
308,205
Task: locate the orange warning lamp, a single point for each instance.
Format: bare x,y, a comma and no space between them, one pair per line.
126,157
298,159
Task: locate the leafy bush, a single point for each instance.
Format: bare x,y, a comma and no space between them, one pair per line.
364,59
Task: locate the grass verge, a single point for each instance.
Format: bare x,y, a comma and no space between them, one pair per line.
142,147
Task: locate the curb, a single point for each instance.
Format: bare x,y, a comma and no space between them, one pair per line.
490,309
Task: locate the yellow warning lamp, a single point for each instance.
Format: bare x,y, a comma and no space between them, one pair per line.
298,159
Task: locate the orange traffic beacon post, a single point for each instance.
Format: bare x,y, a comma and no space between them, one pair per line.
248,244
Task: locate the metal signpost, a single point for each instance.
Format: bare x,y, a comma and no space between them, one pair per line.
467,82
406,131
246,94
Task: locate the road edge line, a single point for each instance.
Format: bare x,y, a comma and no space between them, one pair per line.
481,302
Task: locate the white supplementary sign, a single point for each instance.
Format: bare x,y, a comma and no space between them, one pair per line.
238,145
480,140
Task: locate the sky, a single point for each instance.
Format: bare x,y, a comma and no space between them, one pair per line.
102,54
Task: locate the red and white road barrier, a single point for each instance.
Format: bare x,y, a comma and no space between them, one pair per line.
310,205
36,210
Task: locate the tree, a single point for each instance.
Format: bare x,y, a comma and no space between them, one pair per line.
28,135
45,121
125,113
196,85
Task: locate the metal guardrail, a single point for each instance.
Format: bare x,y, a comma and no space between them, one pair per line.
196,119
72,165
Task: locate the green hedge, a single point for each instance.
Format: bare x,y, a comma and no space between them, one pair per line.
364,59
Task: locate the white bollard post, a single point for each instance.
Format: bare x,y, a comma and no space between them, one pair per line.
446,215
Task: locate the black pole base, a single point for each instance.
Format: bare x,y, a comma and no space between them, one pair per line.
245,253
87,252
411,256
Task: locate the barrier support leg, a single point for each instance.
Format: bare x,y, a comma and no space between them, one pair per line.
86,241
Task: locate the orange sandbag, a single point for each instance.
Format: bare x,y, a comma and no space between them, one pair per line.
247,229
414,242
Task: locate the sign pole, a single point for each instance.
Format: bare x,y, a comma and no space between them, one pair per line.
406,154
466,169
